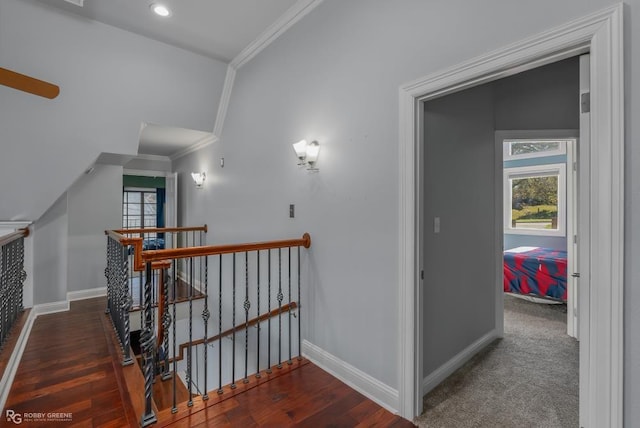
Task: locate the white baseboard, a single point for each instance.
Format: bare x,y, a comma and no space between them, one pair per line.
86,294
14,361
445,370
368,386
51,308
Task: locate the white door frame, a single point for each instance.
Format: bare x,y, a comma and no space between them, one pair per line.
601,369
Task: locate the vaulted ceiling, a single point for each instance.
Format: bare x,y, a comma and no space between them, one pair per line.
219,29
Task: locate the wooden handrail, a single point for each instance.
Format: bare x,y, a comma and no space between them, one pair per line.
209,250
20,233
282,309
136,243
163,229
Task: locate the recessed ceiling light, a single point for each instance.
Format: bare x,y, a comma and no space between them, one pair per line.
160,9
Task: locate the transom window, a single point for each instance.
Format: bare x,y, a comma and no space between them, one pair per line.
523,149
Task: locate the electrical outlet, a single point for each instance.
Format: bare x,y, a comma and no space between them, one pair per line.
292,211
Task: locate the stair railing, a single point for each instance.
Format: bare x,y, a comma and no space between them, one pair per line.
242,272
12,277
124,273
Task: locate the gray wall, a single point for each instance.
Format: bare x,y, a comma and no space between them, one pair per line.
110,82
94,205
460,189
50,234
335,77
544,98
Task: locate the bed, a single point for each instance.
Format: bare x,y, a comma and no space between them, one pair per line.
536,271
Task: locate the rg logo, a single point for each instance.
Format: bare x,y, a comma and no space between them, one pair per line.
14,417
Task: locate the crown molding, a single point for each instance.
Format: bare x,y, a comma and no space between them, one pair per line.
225,98
151,157
294,14
203,142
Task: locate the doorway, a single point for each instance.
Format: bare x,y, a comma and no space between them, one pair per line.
600,346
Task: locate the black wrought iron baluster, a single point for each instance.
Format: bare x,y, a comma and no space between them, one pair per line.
9,290
4,283
166,323
269,311
141,302
280,298
220,326
148,344
126,305
246,306
174,375
189,350
23,274
205,318
258,312
233,327
107,272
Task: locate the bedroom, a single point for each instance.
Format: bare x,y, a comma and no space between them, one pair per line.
470,127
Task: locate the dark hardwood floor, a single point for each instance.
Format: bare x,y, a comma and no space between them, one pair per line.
67,367
182,291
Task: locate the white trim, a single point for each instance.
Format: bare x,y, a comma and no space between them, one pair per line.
144,172
225,99
143,156
14,361
368,386
445,370
51,308
294,14
601,34
15,224
203,142
90,293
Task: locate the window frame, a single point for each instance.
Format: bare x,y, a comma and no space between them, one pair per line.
142,191
559,169
507,156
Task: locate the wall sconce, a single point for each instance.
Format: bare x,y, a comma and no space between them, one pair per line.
307,154
198,178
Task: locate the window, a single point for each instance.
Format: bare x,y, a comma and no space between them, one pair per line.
535,200
523,149
139,208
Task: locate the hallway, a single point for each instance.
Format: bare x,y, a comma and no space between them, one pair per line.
69,374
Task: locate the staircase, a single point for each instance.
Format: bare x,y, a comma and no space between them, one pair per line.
234,321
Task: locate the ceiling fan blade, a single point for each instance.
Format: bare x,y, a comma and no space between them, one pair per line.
25,83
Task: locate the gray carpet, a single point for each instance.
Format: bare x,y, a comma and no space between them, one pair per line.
527,379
